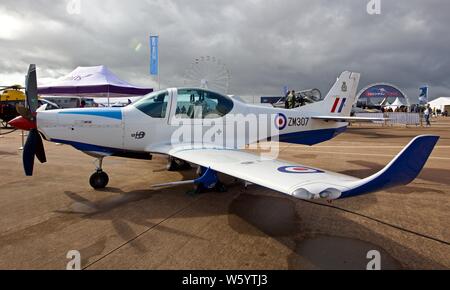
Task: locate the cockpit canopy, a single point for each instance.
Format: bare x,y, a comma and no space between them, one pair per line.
154,104
202,104
190,104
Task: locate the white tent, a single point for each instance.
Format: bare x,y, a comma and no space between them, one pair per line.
396,104
442,103
95,81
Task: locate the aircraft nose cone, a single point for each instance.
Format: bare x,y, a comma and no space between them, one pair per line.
22,123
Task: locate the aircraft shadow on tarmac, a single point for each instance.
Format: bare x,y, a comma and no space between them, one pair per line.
104,210
374,133
319,238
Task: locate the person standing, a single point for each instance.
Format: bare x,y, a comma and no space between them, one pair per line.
288,100
286,97
301,100
427,115
291,100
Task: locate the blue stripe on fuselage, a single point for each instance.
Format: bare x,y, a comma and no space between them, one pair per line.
306,138
113,113
87,147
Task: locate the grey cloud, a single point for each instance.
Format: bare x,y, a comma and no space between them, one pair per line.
266,44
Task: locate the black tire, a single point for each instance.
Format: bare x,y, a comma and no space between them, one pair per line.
177,165
220,187
99,180
171,166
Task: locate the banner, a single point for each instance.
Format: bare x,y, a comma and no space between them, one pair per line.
423,96
382,91
154,55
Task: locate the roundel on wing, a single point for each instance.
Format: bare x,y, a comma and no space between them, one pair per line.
298,169
280,121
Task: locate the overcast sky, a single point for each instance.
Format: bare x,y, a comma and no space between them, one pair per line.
266,44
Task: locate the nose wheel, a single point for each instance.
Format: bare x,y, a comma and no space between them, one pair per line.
99,179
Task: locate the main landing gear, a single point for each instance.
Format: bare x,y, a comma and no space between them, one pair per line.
175,164
99,179
207,181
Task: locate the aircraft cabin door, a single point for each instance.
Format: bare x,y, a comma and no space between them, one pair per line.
200,114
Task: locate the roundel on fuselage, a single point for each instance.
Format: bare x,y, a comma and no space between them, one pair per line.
280,121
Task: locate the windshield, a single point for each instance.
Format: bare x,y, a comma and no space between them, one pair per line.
154,104
201,104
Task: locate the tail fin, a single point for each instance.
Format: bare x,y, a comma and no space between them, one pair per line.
342,96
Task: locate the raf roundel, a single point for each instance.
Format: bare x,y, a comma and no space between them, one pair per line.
298,169
280,121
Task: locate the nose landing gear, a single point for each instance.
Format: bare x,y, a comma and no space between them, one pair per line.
99,179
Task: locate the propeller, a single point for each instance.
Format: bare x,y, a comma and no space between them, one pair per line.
27,121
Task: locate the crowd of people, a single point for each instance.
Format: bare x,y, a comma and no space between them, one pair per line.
438,112
402,109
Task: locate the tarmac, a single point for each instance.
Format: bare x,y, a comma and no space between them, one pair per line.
131,226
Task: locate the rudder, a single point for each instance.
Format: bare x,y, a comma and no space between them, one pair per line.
342,96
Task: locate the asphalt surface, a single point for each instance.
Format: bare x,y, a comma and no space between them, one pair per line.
131,226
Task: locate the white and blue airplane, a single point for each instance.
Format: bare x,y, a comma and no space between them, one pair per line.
149,125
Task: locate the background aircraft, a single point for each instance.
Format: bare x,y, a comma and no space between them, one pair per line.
10,97
148,127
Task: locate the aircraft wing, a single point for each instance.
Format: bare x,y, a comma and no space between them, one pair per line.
306,182
349,119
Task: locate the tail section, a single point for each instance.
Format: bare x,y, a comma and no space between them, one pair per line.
341,97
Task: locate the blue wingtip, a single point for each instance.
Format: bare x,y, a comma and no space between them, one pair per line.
402,170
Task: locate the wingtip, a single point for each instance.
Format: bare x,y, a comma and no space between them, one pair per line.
403,169
426,136
426,145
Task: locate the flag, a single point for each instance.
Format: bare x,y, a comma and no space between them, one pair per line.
423,96
154,55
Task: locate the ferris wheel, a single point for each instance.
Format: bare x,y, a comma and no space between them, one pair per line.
208,72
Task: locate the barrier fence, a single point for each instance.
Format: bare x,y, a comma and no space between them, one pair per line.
394,118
